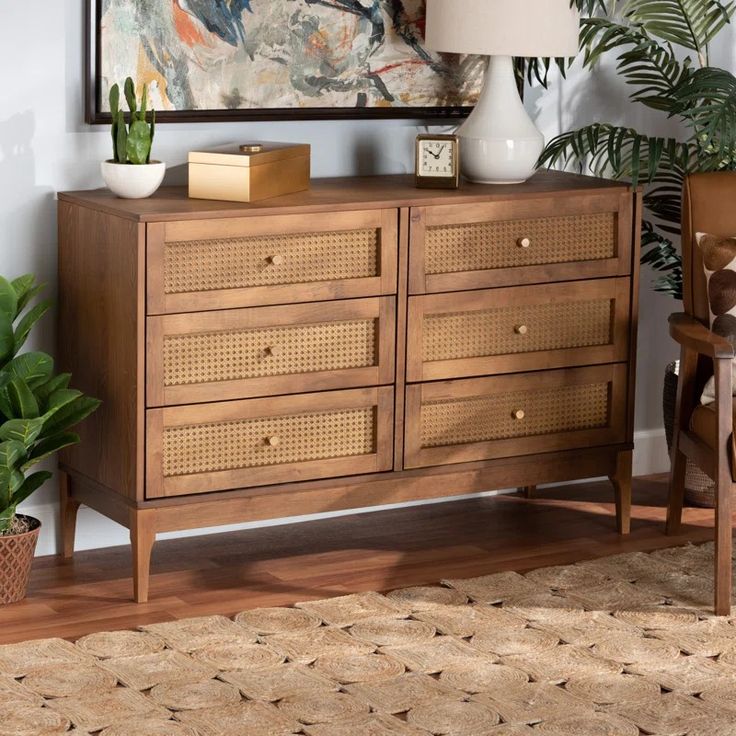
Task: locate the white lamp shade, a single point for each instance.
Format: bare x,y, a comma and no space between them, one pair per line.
503,27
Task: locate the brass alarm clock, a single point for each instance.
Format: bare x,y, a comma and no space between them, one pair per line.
437,161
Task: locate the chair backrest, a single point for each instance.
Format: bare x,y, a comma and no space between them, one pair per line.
708,206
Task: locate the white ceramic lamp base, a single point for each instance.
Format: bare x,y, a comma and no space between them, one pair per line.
499,143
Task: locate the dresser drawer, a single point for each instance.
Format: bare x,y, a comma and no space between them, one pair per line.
486,418
477,333
455,247
240,444
241,262
262,351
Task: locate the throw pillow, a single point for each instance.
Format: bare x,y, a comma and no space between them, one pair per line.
719,261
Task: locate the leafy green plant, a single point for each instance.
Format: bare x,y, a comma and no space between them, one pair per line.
131,144
662,53
37,407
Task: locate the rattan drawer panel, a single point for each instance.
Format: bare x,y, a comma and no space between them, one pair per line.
480,246
486,418
240,444
214,264
240,353
459,247
493,331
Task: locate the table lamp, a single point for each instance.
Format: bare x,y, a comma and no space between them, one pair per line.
499,142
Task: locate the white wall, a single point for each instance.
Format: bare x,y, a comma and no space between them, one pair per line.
45,147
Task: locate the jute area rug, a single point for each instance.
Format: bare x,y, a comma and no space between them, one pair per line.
619,646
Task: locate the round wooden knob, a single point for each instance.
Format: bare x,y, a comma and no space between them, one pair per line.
273,441
276,260
518,414
524,242
273,350
521,329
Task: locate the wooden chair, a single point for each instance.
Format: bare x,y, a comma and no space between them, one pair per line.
704,434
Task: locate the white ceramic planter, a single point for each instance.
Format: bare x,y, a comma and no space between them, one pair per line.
133,181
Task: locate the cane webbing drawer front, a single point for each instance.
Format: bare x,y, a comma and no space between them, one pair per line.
486,418
456,247
217,264
240,444
517,329
240,353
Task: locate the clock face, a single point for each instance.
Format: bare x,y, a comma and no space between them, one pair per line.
436,158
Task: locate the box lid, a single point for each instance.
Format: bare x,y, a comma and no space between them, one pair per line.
253,153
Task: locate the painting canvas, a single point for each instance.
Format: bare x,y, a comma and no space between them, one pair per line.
277,58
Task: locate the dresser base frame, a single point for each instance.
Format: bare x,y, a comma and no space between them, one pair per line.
146,519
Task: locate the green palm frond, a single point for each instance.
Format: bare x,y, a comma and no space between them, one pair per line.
661,49
617,152
589,7
537,70
660,253
651,67
707,100
692,24
663,196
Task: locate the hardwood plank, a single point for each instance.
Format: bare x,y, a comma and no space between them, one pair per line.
225,573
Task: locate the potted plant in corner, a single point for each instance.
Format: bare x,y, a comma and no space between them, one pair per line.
662,53
131,173
37,411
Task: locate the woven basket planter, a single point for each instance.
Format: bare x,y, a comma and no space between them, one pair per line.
16,557
699,488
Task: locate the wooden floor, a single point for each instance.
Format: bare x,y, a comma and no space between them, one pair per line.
227,573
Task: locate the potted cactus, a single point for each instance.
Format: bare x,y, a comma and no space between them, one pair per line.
37,412
130,173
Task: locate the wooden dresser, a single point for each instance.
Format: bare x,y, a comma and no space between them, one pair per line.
361,343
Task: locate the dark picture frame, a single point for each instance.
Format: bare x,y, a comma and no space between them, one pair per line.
94,113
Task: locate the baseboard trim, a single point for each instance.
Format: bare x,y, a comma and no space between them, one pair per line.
95,531
650,452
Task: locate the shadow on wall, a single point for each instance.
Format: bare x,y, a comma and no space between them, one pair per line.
27,228
27,211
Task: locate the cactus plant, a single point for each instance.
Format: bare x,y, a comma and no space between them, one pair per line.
131,143
37,408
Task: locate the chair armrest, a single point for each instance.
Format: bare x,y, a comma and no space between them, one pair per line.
690,333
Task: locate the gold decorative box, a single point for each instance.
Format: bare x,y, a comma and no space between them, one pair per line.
250,172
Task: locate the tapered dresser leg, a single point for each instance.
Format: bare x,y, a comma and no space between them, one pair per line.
142,539
69,507
621,480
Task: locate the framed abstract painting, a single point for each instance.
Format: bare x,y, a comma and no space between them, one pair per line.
275,59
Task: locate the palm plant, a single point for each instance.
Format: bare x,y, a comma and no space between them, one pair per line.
662,52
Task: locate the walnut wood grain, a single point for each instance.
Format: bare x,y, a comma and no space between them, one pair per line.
517,216
232,236
101,334
694,335
227,473
528,386
114,256
501,309
336,194
322,319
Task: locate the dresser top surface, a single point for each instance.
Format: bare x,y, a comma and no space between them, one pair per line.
347,193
